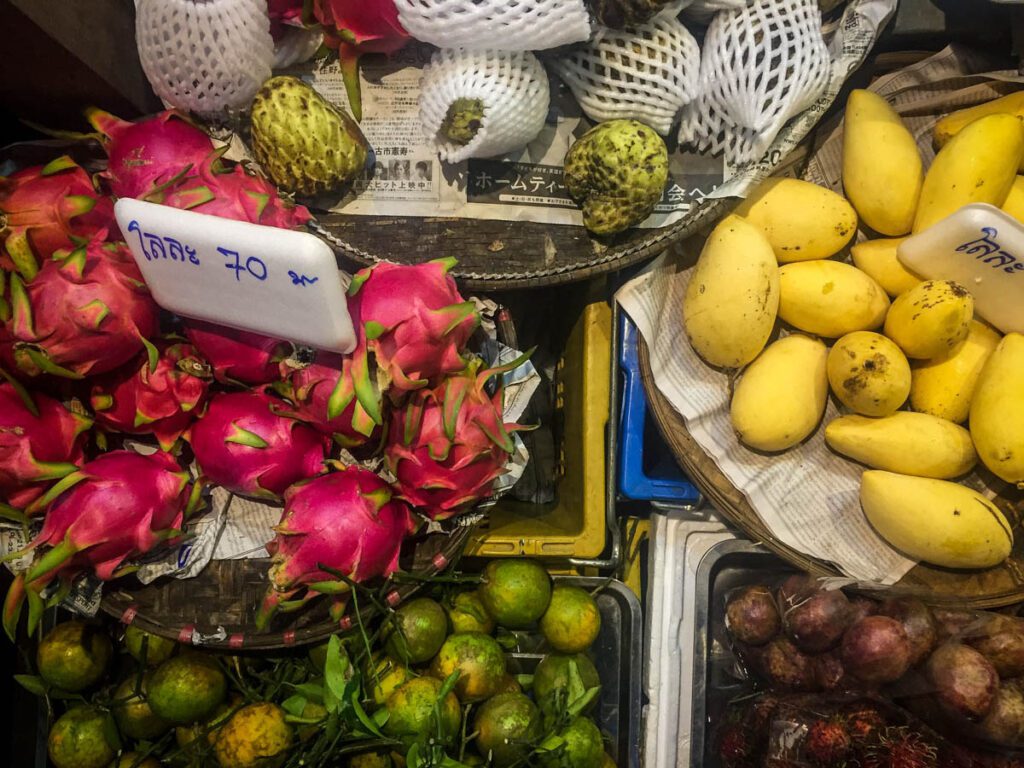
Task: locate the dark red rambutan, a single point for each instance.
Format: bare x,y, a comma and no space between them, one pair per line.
901,748
828,742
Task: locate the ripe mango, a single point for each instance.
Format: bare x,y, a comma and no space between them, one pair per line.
882,169
953,123
782,395
905,442
944,387
877,259
978,165
733,295
830,298
802,221
869,373
930,319
997,411
940,522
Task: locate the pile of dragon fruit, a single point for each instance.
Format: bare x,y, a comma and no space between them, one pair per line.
93,369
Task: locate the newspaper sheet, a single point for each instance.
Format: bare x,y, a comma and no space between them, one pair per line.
808,496
410,180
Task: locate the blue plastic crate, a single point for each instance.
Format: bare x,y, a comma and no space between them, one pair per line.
647,471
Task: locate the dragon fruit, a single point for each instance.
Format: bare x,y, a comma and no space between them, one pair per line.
232,194
413,320
45,209
346,521
245,445
116,507
324,395
40,442
238,357
86,312
284,14
447,445
161,398
150,154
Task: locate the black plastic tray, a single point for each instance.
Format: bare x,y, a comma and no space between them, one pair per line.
727,565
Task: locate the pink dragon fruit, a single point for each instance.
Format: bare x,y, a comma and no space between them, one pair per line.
161,398
118,506
238,357
40,442
45,209
151,153
413,320
245,445
283,14
325,396
448,445
346,521
86,312
233,194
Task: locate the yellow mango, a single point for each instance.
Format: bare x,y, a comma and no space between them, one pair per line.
830,298
930,319
944,387
1014,204
877,258
882,169
940,522
978,165
997,411
801,220
733,295
869,373
782,395
905,442
953,123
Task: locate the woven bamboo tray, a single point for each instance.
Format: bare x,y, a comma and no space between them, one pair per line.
217,608
991,588
501,255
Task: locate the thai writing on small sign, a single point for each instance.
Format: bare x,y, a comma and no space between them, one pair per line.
263,279
986,250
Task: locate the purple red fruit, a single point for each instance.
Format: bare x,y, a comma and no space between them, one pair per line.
751,615
876,650
787,667
964,681
814,618
918,623
1001,641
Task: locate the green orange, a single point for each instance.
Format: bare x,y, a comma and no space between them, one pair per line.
477,658
187,688
74,655
506,725
416,631
382,677
572,621
582,747
467,613
553,675
79,739
140,643
371,760
132,760
135,718
411,712
256,736
515,592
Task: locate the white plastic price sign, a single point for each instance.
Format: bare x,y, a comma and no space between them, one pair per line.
982,248
274,281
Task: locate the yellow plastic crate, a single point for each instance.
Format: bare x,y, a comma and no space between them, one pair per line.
575,524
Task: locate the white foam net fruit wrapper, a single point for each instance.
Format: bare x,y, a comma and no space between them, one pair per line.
647,73
205,57
514,90
510,25
760,67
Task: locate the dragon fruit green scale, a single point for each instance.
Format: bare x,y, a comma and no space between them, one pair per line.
304,143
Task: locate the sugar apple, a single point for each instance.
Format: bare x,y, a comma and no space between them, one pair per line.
617,172
305,144
463,120
619,14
